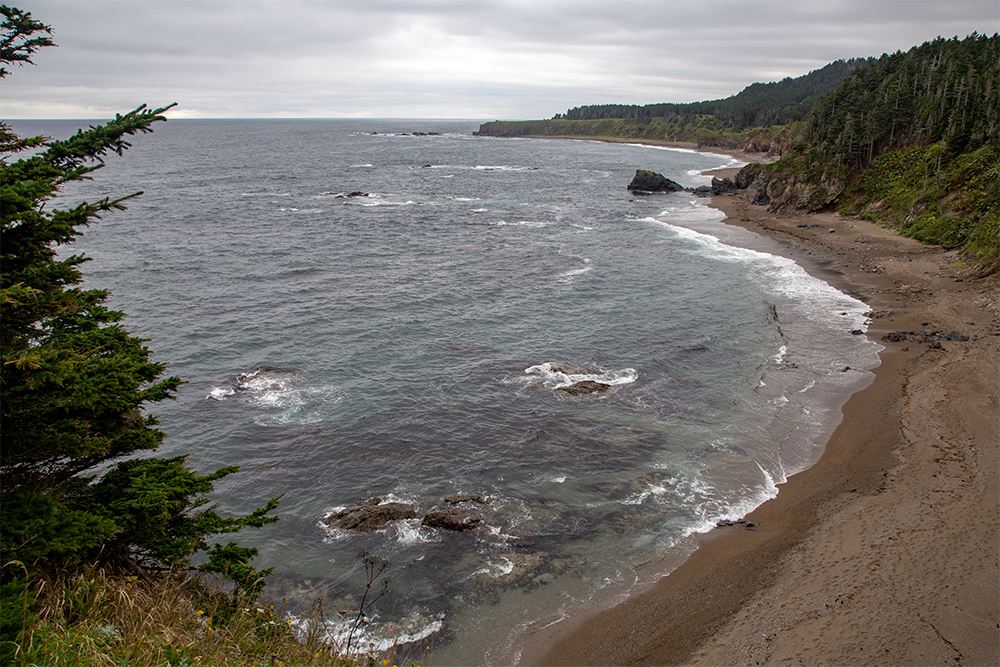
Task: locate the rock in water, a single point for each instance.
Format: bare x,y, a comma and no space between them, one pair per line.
585,387
367,516
454,519
650,181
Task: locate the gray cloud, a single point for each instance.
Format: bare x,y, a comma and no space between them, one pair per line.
446,58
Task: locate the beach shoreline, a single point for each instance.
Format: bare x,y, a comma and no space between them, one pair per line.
887,550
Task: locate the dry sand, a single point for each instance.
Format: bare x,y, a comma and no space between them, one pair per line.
887,551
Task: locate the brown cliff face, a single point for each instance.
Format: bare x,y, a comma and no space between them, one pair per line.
797,187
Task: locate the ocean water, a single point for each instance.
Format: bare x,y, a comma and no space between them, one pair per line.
362,311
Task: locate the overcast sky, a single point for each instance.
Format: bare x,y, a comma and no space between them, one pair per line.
492,59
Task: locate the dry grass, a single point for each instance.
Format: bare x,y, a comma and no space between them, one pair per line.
101,619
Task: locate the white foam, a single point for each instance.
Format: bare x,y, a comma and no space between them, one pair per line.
371,636
780,274
383,202
779,358
411,533
499,167
495,568
567,276
220,394
553,376
521,223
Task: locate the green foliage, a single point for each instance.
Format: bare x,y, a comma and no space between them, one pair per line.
232,561
946,92
75,384
153,503
20,37
954,203
17,609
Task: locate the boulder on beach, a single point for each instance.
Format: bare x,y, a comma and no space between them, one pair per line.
723,186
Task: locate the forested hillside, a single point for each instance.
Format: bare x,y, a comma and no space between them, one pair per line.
943,91
911,141
758,104
763,117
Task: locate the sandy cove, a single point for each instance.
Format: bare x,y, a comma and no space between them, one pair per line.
887,551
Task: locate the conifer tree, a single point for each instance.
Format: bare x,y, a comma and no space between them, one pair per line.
75,384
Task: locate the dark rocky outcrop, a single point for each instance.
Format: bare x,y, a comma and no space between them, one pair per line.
650,181
926,336
722,186
585,387
799,186
369,515
457,519
748,175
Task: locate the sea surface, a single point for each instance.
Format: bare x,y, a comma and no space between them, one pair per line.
391,308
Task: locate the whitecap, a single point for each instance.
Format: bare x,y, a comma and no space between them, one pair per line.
373,636
411,533
557,376
220,394
567,276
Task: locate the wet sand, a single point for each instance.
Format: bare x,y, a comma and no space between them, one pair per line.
887,551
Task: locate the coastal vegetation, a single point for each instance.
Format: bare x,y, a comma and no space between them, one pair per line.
98,537
909,140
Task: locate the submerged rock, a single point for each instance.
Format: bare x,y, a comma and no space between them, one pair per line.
467,498
369,515
457,519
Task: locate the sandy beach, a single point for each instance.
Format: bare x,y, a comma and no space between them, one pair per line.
887,551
